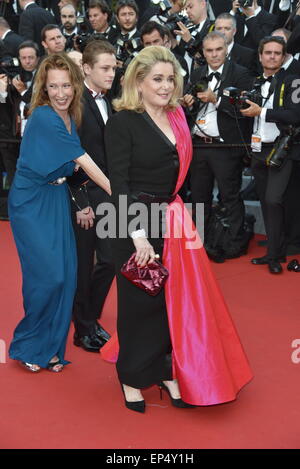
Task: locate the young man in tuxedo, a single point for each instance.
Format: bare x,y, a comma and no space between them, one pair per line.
216,126
93,281
279,110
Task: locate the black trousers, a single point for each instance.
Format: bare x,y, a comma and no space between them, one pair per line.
93,280
225,165
271,185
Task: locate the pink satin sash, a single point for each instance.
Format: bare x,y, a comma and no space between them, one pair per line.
208,358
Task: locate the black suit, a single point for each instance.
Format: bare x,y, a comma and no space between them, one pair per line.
271,183
32,21
11,43
244,56
223,163
258,26
93,282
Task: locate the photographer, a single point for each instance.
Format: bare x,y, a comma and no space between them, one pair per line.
69,25
28,54
192,34
9,146
217,126
100,14
253,24
272,165
162,11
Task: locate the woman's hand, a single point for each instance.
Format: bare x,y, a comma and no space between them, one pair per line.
144,251
85,218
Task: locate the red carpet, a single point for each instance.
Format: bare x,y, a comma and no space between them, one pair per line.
83,408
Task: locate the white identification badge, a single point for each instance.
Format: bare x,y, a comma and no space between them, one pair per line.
256,143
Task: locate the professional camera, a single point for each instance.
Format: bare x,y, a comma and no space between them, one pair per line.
172,21
199,87
164,5
84,33
282,147
127,48
245,3
238,98
10,66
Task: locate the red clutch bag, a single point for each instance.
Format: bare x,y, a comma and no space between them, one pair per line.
150,278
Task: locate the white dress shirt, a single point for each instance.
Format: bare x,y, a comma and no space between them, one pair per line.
207,116
101,104
268,131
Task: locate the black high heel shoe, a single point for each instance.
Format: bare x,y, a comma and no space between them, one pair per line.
175,402
294,266
137,406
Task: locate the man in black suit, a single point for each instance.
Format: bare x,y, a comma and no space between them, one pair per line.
100,14
216,126
94,281
253,24
32,20
279,110
226,24
290,64
10,39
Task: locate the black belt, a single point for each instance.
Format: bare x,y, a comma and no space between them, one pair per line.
207,139
152,198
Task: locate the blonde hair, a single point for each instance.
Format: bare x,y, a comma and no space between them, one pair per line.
58,62
138,69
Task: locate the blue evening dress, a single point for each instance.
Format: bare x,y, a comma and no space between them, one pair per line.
40,218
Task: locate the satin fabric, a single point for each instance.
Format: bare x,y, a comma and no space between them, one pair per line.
208,359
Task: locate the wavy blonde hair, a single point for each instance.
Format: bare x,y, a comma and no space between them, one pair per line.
58,62
138,69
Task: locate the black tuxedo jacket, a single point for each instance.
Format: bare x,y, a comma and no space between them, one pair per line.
259,26
91,131
183,46
11,43
32,21
289,112
244,56
236,76
293,44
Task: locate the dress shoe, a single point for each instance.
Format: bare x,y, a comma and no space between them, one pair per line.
265,260
137,406
175,402
275,267
90,343
101,333
294,266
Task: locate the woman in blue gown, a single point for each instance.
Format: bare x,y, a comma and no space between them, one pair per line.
40,214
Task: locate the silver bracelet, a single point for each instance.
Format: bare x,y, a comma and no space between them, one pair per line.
138,234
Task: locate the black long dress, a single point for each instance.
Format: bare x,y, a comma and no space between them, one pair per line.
140,159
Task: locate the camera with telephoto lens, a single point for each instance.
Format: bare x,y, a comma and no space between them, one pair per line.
10,66
238,98
246,3
172,20
282,147
84,33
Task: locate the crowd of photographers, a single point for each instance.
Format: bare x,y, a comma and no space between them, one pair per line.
240,65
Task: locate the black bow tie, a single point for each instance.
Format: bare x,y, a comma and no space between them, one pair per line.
97,95
217,75
263,80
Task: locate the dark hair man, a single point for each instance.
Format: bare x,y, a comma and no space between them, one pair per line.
93,282
216,126
69,25
53,39
127,13
279,110
99,14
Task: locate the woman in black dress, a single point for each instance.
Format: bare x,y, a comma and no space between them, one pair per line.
148,151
